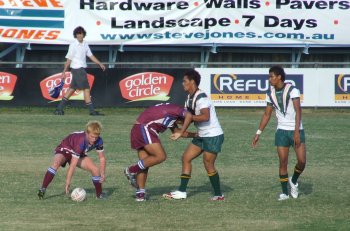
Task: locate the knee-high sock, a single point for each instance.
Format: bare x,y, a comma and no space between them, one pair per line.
215,183
97,184
284,183
50,174
184,182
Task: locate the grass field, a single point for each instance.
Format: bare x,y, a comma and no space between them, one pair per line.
249,177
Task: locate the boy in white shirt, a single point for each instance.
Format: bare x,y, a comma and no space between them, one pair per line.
76,60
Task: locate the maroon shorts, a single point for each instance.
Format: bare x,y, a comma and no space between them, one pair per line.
141,136
67,155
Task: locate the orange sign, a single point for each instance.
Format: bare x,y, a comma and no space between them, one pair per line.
146,86
7,85
53,80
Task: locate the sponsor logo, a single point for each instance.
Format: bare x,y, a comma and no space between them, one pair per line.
246,86
146,86
342,87
31,20
7,85
53,80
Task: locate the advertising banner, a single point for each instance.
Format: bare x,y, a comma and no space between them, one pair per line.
246,87
186,22
124,87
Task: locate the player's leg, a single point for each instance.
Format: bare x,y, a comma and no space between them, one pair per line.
283,170
141,178
88,165
58,160
301,158
88,102
60,107
212,146
209,164
155,155
299,167
192,151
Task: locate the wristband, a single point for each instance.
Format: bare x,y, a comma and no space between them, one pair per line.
258,132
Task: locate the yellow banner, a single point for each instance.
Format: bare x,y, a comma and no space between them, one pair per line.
342,97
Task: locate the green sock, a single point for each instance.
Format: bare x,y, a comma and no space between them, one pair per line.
215,183
184,181
296,174
284,183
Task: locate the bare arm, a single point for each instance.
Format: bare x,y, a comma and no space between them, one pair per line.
70,172
66,66
102,158
264,121
95,60
297,108
179,132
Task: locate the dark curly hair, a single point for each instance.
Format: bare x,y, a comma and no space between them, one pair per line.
278,70
193,75
79,30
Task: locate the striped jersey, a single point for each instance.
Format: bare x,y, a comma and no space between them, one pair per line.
162,116
281,100
194,103
76,144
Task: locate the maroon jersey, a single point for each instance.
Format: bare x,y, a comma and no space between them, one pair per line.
161,116
76,144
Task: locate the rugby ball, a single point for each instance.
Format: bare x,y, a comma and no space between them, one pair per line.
78,194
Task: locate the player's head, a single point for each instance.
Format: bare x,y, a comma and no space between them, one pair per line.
93,131
79,30
278,71
93,127
193,75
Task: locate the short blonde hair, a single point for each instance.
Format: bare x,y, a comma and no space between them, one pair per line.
94,127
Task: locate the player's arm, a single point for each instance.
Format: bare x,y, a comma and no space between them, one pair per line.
70,172
180,131
102,159
95,60
66,67
297,108
185,134
264,121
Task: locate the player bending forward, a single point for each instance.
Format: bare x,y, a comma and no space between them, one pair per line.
73,150
144,138
285,98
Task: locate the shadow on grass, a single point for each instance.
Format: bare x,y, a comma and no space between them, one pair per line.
108,191
192,190
306,188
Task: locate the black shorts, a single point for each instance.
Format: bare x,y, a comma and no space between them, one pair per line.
79,79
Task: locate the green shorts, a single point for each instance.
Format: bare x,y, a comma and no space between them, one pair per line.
285,138
209,144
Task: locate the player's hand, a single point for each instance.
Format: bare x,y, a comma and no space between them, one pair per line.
176,135
103,178
103,67
67,189
296,139
255,141
63,76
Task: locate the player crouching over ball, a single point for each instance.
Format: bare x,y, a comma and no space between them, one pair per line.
73,150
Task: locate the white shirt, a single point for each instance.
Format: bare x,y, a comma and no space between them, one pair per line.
285,116
199,101
77,52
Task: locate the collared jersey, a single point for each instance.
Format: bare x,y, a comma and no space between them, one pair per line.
77,52
194,104
161,116
77,144
281,100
